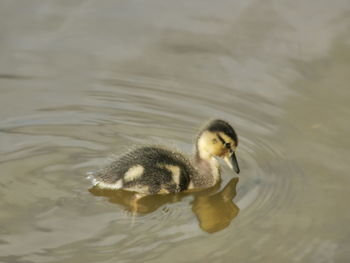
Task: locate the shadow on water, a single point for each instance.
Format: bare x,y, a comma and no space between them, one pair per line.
214,209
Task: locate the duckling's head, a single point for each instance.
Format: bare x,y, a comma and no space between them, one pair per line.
218,138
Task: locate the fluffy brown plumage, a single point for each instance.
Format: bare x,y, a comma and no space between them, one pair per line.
154,169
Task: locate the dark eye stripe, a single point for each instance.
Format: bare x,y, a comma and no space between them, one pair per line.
227,145
221,139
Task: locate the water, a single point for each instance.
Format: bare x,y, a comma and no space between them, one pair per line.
82,81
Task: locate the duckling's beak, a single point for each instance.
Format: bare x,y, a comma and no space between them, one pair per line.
231,161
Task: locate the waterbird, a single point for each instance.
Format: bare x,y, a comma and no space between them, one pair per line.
150,170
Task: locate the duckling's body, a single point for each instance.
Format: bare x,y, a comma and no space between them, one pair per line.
157,170
149,170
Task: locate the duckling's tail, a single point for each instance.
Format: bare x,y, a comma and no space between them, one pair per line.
95,178
91,176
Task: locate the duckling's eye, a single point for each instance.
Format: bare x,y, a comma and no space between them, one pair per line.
227,145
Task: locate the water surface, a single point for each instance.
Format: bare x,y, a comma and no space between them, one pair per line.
83,81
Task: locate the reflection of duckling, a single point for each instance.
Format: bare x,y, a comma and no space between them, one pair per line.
147,204
153,169
215,212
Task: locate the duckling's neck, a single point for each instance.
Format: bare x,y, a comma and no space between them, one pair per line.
208,170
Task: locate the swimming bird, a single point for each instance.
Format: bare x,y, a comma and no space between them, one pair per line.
150,170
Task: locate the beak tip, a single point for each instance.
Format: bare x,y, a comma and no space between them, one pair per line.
234,163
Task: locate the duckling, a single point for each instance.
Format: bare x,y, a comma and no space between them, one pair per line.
152,170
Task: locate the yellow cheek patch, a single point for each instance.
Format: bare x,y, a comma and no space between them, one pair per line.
211,143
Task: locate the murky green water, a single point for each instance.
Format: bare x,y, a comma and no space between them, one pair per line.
83,80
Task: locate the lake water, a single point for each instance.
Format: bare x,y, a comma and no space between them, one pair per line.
83,81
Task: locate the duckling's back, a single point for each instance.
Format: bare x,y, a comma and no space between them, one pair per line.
147,170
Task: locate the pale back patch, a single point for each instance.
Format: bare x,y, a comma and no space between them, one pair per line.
142,189
133,173
175,171
117,185
163,190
